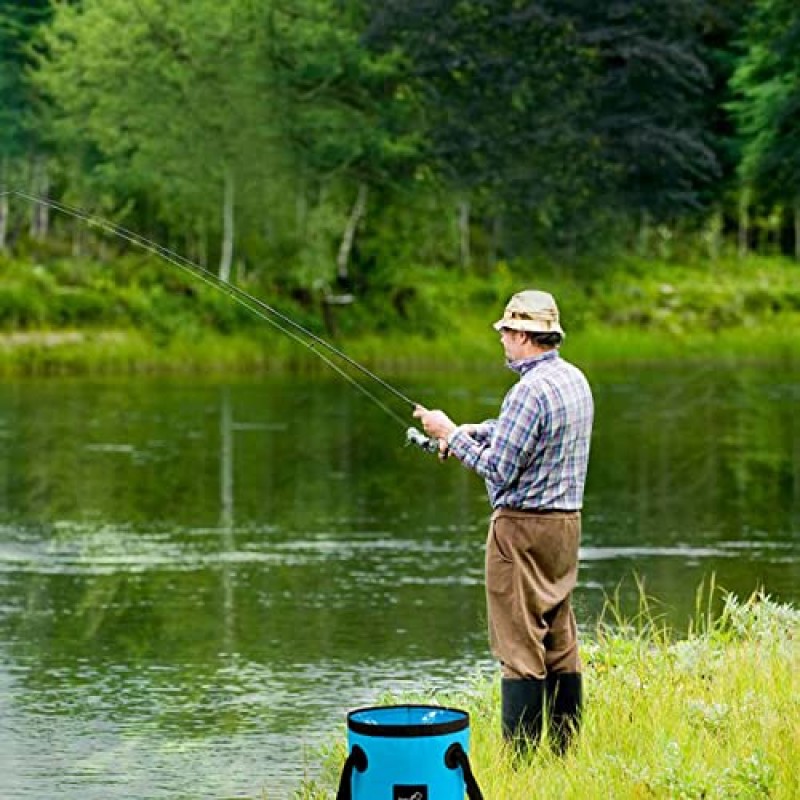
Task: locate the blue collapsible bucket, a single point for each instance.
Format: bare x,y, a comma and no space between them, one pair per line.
409,752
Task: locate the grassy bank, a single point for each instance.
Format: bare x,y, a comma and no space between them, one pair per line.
140,315
772,341
715,714
130,351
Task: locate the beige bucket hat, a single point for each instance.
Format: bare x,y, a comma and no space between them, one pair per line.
532,311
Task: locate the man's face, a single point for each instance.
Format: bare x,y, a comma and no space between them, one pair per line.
513,343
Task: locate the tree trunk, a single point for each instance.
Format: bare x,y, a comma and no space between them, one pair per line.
495,240
300,211
4,208
797,229
226,259
40,187
3,221
643,240
4,203
714,235
346,247
202,246
744,222
78,232
44,211
464,254
34,207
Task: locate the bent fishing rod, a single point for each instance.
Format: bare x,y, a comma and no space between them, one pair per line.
266,312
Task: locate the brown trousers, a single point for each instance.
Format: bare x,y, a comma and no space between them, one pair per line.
531,570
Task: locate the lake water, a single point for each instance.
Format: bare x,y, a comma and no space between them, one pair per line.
198,579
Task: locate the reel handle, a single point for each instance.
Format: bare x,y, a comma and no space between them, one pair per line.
419,439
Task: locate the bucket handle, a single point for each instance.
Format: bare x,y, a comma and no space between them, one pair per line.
456,756
357,760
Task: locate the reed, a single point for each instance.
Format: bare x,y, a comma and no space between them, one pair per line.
99,351
711,714
468,348
139,315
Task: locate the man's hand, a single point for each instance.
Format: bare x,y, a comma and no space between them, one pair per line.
436,423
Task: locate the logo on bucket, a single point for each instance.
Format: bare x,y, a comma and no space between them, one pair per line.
410,793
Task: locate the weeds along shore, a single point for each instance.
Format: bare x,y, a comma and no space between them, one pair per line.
136,315
711,714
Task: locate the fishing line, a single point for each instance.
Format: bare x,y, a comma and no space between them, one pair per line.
248,301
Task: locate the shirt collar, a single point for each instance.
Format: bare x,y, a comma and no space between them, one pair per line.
523,365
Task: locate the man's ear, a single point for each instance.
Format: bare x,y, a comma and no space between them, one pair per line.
522,336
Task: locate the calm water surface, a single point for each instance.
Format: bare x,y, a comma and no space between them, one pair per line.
198,579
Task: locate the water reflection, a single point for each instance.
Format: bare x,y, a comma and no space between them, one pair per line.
196,580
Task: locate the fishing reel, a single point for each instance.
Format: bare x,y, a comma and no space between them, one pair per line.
419,439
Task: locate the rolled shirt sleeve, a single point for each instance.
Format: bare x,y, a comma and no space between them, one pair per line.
500,449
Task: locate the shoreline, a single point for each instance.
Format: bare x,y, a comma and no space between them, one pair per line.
135,315
120,351
709,715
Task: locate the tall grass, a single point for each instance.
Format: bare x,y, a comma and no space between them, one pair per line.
470,348
712,714
140,315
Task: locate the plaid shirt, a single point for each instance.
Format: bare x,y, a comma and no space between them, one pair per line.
535,455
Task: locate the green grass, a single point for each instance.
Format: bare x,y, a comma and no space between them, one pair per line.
125,350
712,714
468,348
139,315
128,350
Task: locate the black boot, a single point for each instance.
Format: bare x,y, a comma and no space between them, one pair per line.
523,703
564,704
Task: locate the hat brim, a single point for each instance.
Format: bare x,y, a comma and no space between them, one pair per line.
529,325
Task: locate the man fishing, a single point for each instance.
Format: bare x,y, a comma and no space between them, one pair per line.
534,458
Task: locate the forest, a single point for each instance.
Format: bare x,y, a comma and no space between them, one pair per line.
342,149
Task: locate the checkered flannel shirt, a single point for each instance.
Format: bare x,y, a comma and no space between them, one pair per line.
534,456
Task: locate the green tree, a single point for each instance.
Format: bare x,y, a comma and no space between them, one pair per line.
649,79
348,122
767,107
504,91
21,149
163,92
556,113
722,24
240,122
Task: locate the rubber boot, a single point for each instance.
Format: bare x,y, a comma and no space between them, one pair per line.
523,704
564,705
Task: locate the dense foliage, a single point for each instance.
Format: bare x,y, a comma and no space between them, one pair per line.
768,83
328,146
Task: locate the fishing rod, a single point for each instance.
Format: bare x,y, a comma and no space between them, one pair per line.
255,305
